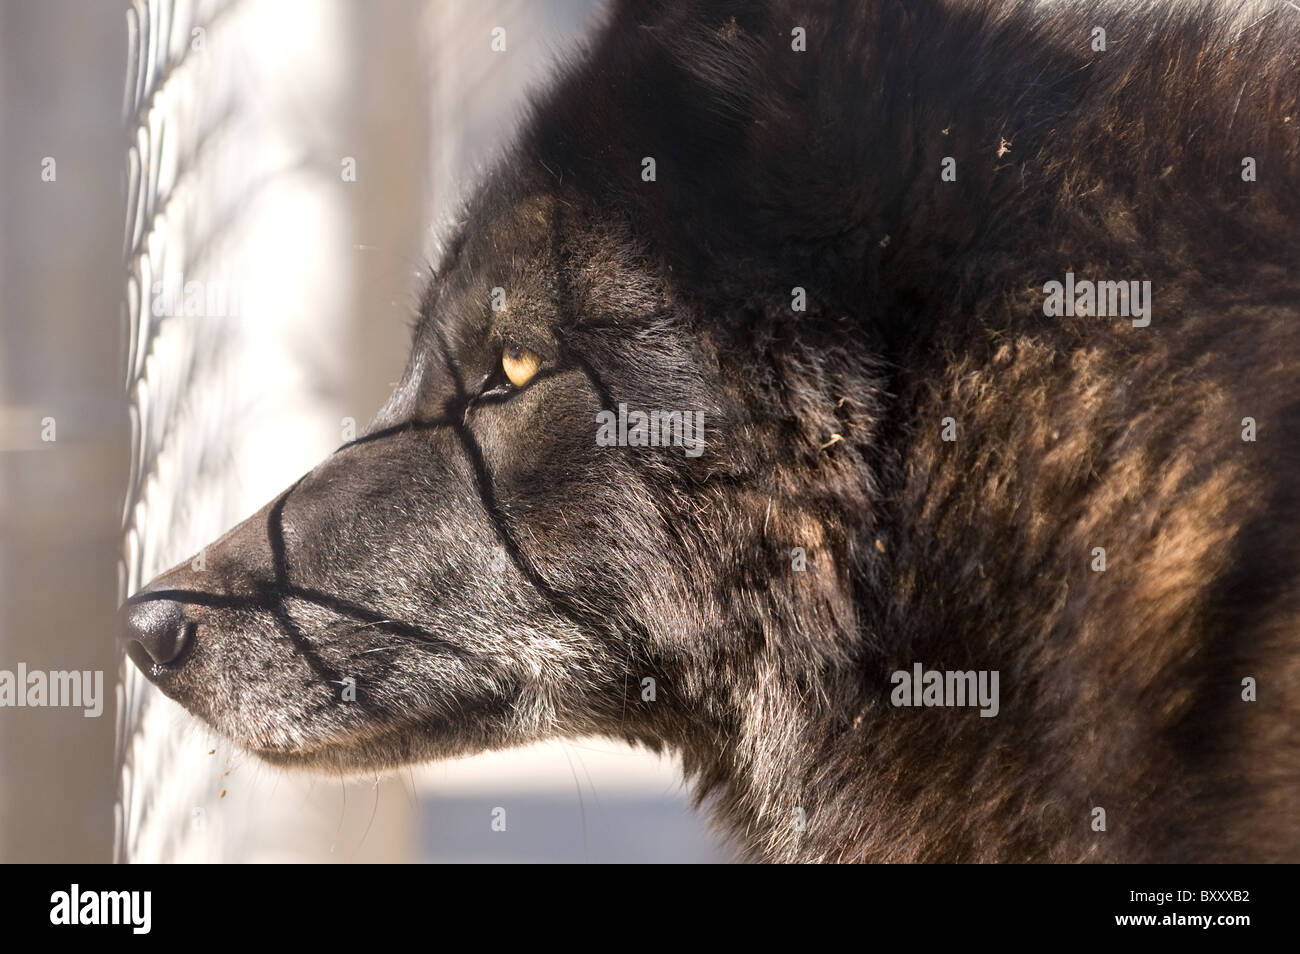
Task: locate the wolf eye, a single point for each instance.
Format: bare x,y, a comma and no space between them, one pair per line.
519,364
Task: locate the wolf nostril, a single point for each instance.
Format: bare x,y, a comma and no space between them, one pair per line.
156,632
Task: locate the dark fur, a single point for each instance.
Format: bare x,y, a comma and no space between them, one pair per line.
821,169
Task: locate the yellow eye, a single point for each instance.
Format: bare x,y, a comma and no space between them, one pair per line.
519,364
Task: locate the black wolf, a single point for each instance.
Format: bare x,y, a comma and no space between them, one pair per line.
837,234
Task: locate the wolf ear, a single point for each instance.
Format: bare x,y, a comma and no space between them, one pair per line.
703,27
714,44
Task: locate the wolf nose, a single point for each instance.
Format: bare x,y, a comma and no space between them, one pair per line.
155,631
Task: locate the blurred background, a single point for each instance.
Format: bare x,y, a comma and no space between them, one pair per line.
294,164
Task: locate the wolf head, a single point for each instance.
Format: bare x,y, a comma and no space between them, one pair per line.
577,512
707,222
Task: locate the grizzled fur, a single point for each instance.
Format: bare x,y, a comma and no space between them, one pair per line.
489,575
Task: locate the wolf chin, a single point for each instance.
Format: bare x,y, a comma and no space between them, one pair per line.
487,574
